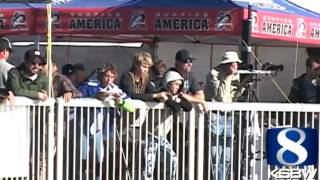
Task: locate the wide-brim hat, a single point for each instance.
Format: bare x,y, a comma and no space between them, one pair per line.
230,57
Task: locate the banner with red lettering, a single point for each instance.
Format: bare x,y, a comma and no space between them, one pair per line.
285,27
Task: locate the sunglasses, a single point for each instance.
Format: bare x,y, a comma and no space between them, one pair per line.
187,61
35,62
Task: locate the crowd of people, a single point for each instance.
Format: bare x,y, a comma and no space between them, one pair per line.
147,80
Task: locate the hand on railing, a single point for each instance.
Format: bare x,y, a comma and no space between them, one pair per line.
10,99
42,95
160,96
67,96
204,106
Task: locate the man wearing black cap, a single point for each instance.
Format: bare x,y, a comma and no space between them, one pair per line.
192,90
5,49
26,80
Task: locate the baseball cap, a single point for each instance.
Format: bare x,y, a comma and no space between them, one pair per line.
67,69
184,55
5,44
230,57
33,56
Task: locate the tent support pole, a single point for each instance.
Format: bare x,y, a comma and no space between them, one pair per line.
246,38
211,56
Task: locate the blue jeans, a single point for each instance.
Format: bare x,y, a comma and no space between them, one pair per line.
220,130
159,146
99,149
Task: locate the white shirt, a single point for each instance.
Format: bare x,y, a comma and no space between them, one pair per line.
4,69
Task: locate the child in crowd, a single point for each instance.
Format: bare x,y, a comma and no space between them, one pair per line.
173,85
110,92
158,69
102,120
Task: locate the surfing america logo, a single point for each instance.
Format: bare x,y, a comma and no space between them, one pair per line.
138,20
301,28
19,20
224,21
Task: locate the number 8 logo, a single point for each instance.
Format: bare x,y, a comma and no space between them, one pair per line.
289,145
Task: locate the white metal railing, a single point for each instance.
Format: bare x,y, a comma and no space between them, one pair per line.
87,139
245,125
25,130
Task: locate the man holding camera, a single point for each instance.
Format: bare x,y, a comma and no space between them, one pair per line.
306,88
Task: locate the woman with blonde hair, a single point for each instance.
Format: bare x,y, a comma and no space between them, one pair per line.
137,82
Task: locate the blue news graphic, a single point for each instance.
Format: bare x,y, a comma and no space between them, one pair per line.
292,146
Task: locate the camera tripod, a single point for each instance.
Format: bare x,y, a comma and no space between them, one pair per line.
250,133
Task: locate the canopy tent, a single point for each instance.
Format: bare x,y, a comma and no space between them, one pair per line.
275,22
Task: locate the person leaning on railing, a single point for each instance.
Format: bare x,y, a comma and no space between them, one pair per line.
5,50
192,91
26,80
222,85
137,82
61,84
102,121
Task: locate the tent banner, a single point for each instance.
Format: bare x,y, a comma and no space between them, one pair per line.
285,27
146,21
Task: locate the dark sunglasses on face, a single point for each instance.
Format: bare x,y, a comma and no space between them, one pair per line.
35,62
187,61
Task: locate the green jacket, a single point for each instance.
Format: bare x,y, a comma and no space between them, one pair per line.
21,85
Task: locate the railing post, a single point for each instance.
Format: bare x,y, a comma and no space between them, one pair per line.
51,142
191,154
200,139
59,148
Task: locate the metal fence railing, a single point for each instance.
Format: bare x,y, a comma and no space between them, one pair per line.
26,136
89,139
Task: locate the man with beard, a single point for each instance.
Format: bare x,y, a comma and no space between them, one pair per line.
25,80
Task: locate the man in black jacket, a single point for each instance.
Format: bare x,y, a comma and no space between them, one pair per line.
306,88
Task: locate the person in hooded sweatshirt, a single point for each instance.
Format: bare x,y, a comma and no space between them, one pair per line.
176,103
173,86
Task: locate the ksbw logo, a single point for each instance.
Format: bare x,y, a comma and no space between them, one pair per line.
292,146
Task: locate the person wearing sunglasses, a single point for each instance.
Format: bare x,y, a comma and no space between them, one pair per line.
26,80
192,91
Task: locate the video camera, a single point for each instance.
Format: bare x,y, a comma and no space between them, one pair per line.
272,67
266,69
